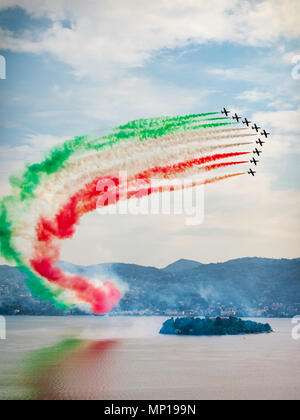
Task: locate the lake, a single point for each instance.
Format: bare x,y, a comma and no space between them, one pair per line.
125,358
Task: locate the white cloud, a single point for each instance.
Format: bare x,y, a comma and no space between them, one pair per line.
107,36
256,215
14,158
289,57
287,121
270,213
253,96
282,144
244,217
254,73
285,130
133,97
278,104
33,143
43,142
232,73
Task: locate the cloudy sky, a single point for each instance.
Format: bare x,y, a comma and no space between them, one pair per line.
75,67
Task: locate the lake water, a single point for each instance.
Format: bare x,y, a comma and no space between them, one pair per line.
126,358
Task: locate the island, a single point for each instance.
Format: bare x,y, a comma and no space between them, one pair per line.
213,326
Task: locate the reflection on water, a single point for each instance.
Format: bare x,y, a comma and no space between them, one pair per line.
72,369
125,358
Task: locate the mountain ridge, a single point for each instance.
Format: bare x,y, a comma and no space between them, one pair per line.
249,286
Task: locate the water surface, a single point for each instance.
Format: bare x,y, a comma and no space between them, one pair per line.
125,358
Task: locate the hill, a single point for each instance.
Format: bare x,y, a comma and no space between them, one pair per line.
182,265
242,287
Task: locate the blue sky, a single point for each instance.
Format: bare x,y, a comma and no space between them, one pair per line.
74,68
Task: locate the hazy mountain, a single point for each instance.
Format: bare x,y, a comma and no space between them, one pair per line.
182,265
247,286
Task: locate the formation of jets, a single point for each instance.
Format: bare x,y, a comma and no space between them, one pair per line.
256,128
225,112
246,122
250,172
264,133
257,152
259,141
253,160
236,117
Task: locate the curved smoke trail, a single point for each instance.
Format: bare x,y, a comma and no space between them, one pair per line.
50,197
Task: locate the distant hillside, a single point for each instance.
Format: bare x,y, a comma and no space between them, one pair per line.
15,298
182,265
245,287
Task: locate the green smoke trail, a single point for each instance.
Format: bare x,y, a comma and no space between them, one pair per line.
24,185
40,290
35,284
136,130
51,356
6,248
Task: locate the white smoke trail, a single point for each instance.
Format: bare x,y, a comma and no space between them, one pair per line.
133,158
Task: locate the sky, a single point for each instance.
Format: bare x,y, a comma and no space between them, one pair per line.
76,67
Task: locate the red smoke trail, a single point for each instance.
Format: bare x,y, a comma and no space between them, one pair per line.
223,177
183,166
86,199
86,358
102,298
222,165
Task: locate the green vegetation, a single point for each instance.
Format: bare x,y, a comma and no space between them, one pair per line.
218,326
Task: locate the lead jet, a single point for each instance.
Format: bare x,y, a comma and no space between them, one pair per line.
250,172
264,133
225,112
257,152
236,117
254,161
261,143
255,127
246,122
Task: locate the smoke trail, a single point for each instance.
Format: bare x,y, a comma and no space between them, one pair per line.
129,159
64,227
50,197
182,166
168,145
137,130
